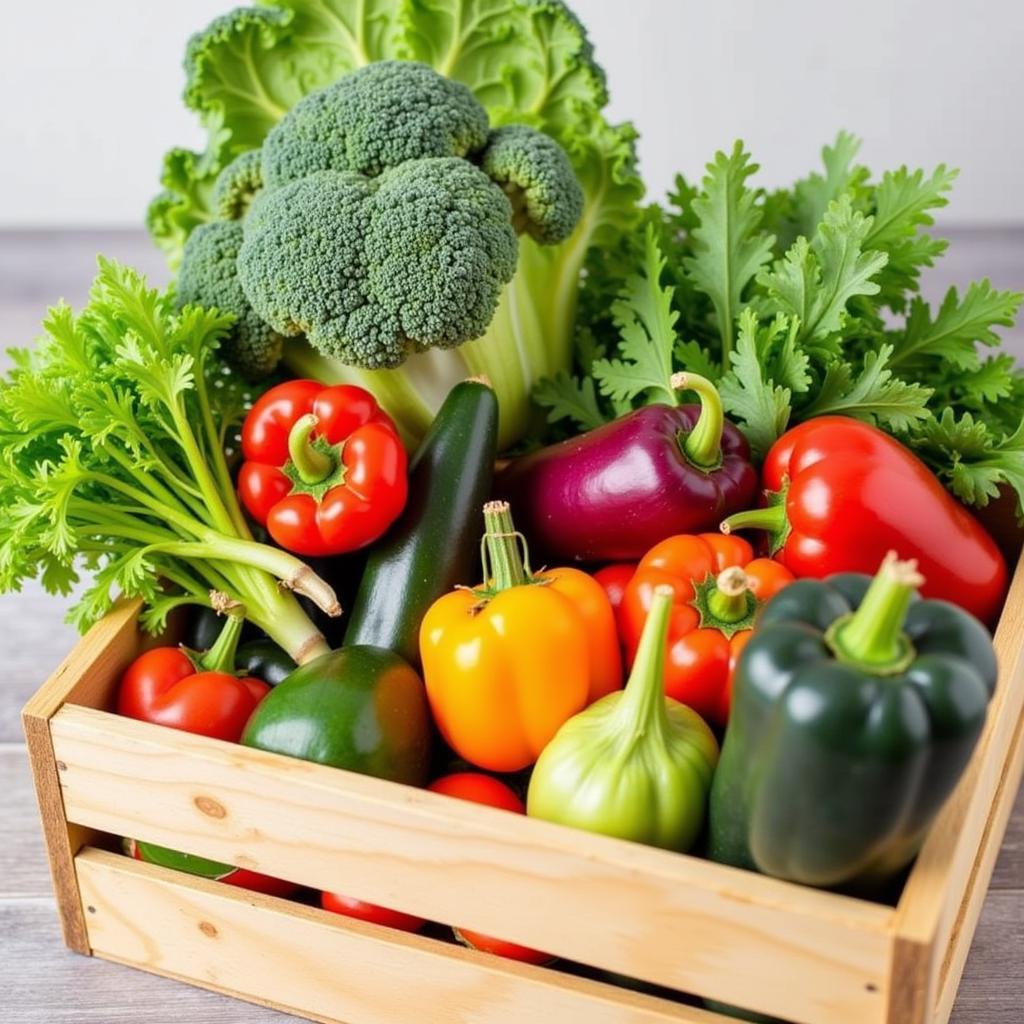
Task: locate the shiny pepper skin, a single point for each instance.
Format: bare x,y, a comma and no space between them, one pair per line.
506,664
707,628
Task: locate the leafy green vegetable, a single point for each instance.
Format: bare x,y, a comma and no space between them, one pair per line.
526,61
815,280
646,320
728,250
821,284
112,442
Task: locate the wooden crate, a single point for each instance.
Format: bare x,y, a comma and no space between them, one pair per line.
680,922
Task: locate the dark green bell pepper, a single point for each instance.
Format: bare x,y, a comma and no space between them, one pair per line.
360,708
856,707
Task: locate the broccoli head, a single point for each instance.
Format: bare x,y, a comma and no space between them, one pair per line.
376,117
237,185
209,277
371,269
535,173
379,217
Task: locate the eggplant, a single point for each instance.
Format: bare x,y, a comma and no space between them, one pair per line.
616,491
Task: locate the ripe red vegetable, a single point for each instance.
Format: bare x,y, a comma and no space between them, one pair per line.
615,578
339,904
842,493
325,469
718,586
200,695
484,789
478,788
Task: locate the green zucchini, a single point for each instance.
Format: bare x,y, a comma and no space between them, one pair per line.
436,542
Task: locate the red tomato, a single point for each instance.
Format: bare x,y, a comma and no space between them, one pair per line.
509,950
615,578
162,686
479,789
339,904
483,789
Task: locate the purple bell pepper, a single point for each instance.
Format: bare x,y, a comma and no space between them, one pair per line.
616,491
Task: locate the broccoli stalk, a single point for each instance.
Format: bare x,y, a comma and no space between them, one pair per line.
113,432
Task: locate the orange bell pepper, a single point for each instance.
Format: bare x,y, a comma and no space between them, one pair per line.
507,663
718,587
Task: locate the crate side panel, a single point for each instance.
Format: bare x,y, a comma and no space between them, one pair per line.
304,960
941,900
86,672
662,917
966,922
930,907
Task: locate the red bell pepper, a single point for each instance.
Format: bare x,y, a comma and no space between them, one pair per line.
195,693
718,586
324,470
841,493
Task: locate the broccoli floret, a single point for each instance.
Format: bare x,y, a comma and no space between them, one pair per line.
440,248
237,185
209,277
370,269
376,117
535,173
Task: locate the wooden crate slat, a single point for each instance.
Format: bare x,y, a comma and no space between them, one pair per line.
665,918
300,959
951,965
89,671
948,881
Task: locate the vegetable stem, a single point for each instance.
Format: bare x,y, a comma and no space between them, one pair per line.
292,573
641,708
703,445
771,518
505,564
310,463
728,601
872,637
221,656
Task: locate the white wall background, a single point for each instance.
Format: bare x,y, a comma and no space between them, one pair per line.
91,93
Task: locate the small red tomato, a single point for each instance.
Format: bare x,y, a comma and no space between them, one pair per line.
483,789
480,789
162,686
615,578
339,904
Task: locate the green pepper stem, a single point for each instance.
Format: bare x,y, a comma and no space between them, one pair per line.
311,464
503,551
703,445
771,518
728,601
221,656
872,637
642,707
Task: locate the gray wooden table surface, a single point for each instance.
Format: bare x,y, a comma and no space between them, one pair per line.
40,981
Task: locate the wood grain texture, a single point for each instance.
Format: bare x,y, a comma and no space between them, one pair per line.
943,897
331,968
661,917
44,984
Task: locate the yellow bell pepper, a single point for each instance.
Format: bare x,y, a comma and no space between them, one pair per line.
507,663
